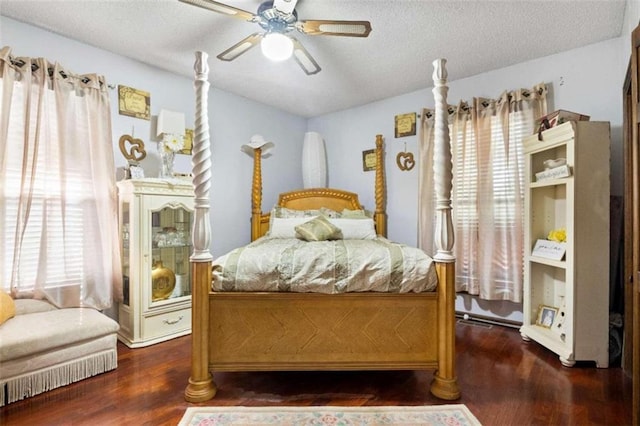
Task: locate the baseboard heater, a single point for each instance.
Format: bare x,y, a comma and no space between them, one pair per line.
474,319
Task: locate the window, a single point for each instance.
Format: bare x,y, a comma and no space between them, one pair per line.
58,221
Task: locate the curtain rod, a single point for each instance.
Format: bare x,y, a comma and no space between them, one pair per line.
63,73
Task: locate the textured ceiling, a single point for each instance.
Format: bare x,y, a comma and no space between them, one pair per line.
474,36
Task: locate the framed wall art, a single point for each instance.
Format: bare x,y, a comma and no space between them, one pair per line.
369,160
405,125
134,103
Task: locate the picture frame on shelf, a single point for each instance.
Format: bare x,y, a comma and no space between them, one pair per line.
136,171
546,316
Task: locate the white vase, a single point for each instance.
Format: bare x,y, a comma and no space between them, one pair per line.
314,161
178,291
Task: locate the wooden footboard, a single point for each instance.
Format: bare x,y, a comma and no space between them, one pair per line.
307,331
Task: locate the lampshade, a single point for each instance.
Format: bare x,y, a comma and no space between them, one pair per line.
314,161
276,46
170,122
258,141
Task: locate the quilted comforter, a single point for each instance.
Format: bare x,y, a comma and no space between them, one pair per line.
339,266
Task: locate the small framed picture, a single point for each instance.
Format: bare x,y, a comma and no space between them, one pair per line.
369,160
546,316
136,171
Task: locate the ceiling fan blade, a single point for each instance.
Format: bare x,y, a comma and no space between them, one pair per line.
215,6
335,28
304,59
241,47
285,6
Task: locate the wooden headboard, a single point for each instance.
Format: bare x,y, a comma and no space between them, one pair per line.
314,198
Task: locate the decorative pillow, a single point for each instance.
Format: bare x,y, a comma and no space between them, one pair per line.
329,213
356,214
318,229
283,212
359,229
7,307
278,212
285,227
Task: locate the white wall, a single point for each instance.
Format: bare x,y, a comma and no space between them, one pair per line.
586,80
233,120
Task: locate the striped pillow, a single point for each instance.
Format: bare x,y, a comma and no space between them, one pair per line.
318,229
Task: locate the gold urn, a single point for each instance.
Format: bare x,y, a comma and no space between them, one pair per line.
163,281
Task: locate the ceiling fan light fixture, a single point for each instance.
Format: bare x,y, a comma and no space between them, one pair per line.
276,46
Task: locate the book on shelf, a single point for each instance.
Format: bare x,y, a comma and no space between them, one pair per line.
555,173
549,249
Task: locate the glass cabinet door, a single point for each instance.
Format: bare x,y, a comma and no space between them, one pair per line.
125,239
171,248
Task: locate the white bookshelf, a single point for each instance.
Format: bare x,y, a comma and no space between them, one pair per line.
578,285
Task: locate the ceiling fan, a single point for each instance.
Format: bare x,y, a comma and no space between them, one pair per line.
278,18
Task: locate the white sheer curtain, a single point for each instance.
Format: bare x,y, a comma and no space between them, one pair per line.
58,199
488,192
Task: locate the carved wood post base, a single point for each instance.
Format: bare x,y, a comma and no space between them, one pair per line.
199,391
445,382
201,386
445,388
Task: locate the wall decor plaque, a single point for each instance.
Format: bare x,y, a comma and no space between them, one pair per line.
134,103
405,125
369,160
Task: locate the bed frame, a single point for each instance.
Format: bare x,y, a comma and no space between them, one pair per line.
259,331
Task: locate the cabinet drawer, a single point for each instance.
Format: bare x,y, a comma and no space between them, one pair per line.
166,324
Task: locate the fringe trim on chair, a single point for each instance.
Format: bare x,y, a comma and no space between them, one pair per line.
59,375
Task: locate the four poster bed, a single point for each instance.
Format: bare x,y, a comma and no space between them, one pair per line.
277,329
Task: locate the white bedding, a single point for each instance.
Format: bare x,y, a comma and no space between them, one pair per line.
339,266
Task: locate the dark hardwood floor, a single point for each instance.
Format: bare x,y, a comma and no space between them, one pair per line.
504,381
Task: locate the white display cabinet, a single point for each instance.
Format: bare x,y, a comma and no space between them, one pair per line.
569,281
156,216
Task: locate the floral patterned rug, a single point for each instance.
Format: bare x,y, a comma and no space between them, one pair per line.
432,415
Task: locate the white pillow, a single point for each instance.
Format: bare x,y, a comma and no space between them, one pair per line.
284,213
285,227
355,229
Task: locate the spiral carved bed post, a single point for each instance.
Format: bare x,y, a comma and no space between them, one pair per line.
256,194
445,384
381,216
201,386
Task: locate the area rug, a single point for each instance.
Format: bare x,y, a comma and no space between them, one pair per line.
432,415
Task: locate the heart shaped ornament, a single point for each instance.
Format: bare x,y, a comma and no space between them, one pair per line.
132,149
405,161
